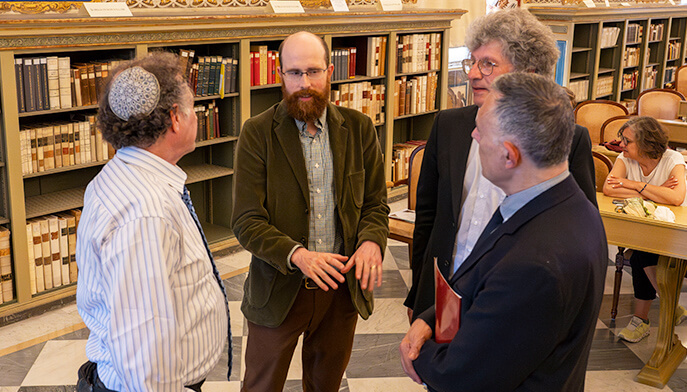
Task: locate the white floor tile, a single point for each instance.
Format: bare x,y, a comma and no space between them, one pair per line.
222,386
57,363
389,316
38,326
384,384
617,380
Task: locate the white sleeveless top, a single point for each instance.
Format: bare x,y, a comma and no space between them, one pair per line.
661,172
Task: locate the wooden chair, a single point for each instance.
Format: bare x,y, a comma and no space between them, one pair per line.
401,230
610,128
592,114
602,166
659,103
681,80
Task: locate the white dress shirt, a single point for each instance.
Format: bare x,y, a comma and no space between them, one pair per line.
146,291
481,200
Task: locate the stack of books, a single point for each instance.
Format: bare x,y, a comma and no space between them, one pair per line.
634,33
581,89
6,277
418,52
344,60
630,80
604,85
49,146
415,95
655,32
52,250
401,159
50,83
631,57
208,121
209,75
263,66
609,36
363,96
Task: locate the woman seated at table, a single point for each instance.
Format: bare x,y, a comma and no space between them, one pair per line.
648,169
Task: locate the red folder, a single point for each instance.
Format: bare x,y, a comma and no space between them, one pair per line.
447,308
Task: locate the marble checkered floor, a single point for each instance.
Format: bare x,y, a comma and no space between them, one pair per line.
43,353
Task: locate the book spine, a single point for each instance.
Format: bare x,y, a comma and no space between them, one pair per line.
19,78
47,255
64,248
73,271
38,255
43,102
54,224
65,85
31,257
29,86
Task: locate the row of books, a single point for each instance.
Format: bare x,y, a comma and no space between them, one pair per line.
630,104
208,121
670,74
401,159
655,32
263,66
363,96
674,50
416,95
52,250
609,36
344,60
649,77
630,80
209,75
418,52
604,85
634,33
48,83
6,276
48,146
581,89
631,57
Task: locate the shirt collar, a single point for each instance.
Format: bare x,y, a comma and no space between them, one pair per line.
511,204
319,123
156,166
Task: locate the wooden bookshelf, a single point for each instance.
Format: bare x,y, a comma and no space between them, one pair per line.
225,32
580,31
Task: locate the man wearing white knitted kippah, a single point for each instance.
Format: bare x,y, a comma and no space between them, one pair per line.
149,291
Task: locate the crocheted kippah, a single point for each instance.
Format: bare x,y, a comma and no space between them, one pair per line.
134,91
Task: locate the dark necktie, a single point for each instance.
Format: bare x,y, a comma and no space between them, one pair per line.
493,223
186,197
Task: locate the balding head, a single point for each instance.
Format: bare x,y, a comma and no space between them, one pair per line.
302,39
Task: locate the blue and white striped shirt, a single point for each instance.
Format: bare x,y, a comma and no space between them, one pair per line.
146,290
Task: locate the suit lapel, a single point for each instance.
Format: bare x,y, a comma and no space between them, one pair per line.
288,136
534,207
461,139
338,139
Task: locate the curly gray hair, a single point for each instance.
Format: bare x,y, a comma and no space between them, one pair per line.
527,43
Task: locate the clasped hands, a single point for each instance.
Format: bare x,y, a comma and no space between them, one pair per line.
410,346
325,269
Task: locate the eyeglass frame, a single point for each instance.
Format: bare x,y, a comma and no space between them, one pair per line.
481,63
295,75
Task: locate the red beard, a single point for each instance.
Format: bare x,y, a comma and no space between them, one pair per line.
306,111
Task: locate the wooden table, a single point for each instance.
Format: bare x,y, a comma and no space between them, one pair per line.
670,241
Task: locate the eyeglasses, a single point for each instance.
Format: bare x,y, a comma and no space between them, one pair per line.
312,74
625,140
486,67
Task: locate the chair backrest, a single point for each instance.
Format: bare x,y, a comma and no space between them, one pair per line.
681,80
414,165
659,103
610,128
592,114
602,166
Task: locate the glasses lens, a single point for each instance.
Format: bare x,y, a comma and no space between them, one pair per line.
486,67
467,65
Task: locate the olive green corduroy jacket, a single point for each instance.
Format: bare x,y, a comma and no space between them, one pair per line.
272,202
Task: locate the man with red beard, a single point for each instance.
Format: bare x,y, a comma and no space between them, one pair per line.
310,205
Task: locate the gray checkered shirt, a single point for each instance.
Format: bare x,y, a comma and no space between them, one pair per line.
323,233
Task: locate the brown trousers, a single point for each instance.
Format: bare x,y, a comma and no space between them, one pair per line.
327,321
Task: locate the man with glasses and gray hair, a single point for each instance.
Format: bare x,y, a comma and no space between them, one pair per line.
310,205
454,200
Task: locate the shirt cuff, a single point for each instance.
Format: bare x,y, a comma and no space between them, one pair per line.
288,258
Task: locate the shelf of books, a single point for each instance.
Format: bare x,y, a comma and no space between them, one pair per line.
50,81
637,48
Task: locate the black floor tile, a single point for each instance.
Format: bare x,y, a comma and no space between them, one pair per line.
608,353
375,356
400,253
15,366
81,334
219,373
393,286
234,287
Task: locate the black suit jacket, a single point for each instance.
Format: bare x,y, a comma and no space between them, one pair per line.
531,295
440,195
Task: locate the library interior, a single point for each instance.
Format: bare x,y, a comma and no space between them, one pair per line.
399,62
